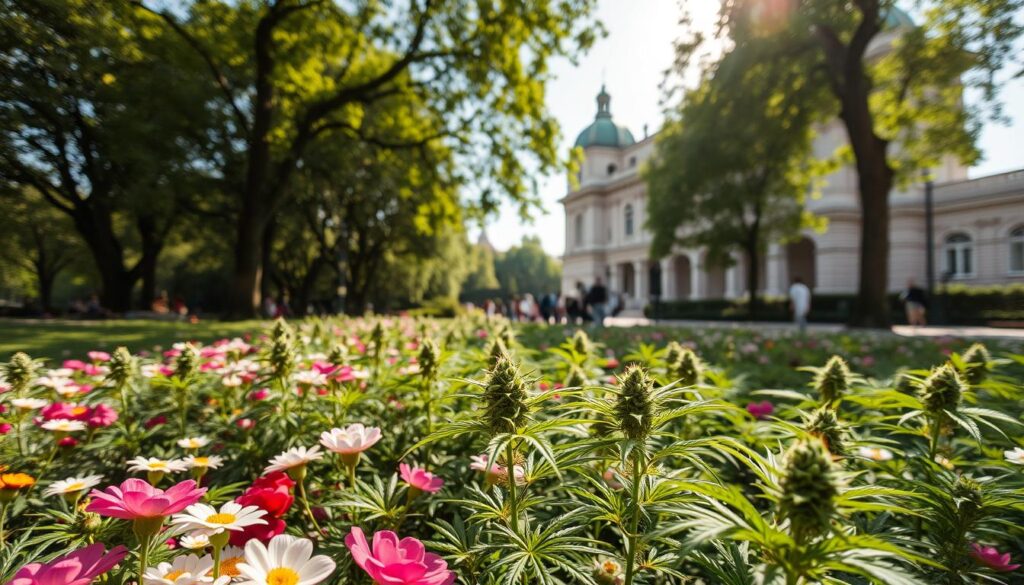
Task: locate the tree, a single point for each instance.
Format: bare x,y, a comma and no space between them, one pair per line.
902,108
291,72
37,239
527,268
732,169
90,115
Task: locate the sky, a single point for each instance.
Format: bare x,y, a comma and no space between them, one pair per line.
631,61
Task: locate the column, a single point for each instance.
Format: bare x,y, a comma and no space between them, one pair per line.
614,286
668,279
640,277
733,277
776,270
696,276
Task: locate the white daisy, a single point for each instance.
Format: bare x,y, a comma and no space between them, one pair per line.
1015,456
149,464
230,558
29,403
72,485
184,570
231,381
286,561
69,391
193,442
310,378
195,542
63,425
294,457
52,382
352,439
208,462
205,519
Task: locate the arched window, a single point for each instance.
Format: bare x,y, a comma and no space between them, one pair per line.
959,253
629,220
1017,249
578,229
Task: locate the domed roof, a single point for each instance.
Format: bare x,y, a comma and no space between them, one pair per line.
896,18
603,131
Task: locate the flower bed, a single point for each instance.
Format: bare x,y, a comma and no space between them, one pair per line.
432,452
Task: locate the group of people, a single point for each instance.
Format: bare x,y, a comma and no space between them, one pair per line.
528,308
913,297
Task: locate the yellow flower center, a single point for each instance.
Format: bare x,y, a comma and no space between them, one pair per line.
229,567
155,465
201,461
282,576
173,575
79,410
74,487
221,518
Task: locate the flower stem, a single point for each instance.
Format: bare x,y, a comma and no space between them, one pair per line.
3,523
634,526
305,506
144,542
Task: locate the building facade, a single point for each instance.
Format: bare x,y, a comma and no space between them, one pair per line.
978,227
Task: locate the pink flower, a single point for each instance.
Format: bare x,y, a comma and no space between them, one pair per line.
761,410
93,370
397,562
5,428
494,473
350,441
80,567
420,479
74,364
323,367
991,558
156,421
101,416
99,356
868,361
260,394
135,498
245,423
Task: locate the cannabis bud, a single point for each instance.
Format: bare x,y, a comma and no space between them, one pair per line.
576,378
282,350
505,393
905,383
809,487
122,367
496,351
338,355
187,362
968,498
581,343
976,363
942,390
19,372
824,424
429,358
833,380
377,338
687,368
635,405
672,352
507,336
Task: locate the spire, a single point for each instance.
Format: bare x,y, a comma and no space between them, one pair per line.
604,104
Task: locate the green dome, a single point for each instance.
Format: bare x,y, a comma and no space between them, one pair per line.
897,18
603,131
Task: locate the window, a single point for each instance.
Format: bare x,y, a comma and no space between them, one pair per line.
632,161
1017,250
579,229
959,253
611,169
629,220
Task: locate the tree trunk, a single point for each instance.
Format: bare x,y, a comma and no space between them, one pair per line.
874,179
753,276
152,245
266,259
96,227
243,298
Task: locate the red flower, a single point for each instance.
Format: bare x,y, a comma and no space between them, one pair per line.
156,421
101,416
272,493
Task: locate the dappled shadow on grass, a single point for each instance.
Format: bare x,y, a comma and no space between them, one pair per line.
61,339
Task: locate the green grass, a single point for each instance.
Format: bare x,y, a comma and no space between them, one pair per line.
58,340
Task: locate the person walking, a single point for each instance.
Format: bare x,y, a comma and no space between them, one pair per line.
915,303
800,303
597,298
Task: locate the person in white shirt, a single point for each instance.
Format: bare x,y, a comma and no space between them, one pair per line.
800,303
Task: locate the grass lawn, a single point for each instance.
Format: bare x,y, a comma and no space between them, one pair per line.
62,339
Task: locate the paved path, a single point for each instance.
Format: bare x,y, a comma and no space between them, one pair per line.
905,330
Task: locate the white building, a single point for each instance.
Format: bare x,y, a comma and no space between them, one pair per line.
978,226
